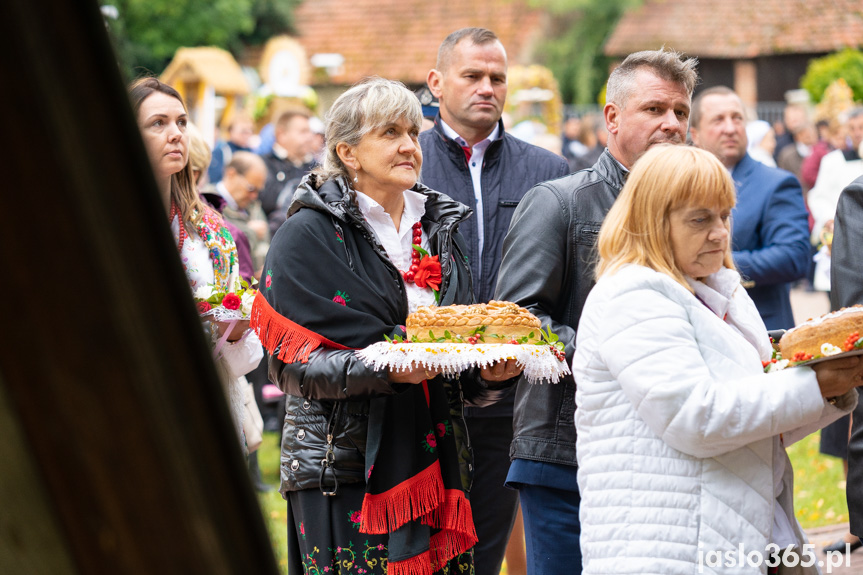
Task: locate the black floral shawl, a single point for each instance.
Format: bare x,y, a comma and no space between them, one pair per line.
339,290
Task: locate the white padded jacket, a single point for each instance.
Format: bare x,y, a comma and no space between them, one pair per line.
678,426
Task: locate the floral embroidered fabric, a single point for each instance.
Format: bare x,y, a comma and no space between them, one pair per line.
209,254
353,552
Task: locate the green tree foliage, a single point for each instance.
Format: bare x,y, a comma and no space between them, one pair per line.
821,72
573,49
147,33
272,17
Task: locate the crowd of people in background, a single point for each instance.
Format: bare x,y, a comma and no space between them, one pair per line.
307,202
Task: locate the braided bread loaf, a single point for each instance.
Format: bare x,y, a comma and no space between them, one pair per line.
829,334
494,322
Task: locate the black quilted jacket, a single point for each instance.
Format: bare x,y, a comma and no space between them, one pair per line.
330,394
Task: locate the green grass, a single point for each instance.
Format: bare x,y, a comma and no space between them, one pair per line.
272,505
819,490
819,485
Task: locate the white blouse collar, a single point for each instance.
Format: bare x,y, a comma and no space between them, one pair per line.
415,203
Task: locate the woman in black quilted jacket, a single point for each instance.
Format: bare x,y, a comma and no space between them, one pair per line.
375,464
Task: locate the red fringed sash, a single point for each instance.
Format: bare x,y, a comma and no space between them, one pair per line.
274,329
409,500
423,497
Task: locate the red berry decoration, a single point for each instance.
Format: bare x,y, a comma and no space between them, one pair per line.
425,269
851,340
801,356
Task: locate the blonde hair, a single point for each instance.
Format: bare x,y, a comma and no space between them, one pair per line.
369,105
200,154
666,178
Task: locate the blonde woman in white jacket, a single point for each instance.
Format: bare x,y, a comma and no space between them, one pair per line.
681,436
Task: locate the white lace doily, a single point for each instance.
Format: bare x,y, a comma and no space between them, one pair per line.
540,365
224,314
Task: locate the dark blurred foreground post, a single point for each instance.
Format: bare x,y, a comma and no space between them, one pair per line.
117,453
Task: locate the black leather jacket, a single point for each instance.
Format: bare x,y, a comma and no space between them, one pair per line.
548,263
846,282
329,395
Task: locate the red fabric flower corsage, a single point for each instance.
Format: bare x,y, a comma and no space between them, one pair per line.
425,271
429,273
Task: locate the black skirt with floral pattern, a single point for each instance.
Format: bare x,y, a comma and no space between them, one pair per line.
324,537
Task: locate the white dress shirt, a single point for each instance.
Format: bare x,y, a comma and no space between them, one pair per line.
475,166
398,244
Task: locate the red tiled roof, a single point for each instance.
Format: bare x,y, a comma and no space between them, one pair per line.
399,39
739,28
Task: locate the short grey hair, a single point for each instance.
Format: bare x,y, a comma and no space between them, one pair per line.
373,103
477,36
667,64
851,114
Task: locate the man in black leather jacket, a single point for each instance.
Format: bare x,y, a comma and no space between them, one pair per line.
548,264
469,157
846,280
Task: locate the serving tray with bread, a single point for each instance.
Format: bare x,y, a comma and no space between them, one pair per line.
454,338
832,335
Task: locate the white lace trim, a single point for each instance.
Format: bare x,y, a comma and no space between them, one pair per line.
540,365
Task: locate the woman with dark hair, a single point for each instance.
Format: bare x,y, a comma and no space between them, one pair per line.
376,464
681,434
207,250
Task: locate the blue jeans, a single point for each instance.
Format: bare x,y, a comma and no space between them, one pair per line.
551,530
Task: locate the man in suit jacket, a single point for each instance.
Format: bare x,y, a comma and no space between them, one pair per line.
770,230
846,279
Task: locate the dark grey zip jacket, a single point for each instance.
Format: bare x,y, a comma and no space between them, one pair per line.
548,263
